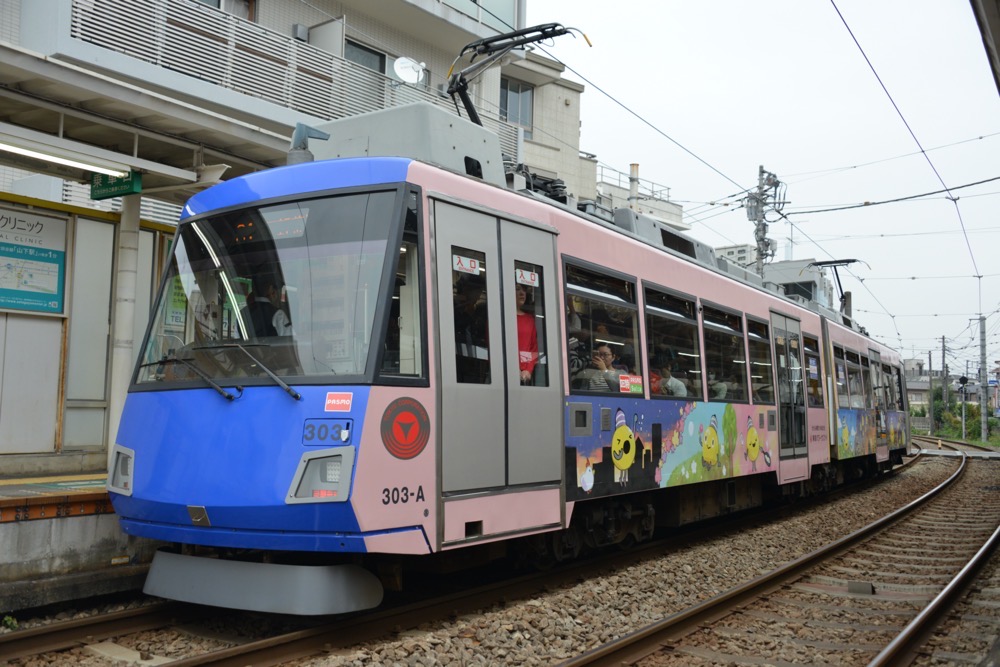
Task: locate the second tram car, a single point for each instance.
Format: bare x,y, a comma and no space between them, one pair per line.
390,355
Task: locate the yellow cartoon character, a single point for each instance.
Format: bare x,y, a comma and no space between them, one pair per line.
710,444
753,445
622,448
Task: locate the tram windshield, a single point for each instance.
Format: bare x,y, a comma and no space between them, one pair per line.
288,289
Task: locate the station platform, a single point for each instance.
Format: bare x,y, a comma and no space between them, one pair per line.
60,541
28,498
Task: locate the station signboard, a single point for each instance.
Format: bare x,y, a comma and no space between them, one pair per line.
103,186
32,261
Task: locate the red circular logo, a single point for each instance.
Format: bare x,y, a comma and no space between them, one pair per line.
405,428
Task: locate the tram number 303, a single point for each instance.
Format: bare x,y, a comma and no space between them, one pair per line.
323,431
399,495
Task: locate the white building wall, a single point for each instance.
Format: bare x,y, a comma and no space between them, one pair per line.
10,20
554,148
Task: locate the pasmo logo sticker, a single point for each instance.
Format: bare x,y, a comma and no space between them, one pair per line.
338,401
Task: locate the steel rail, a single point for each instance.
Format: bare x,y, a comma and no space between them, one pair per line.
656,636
903,649
80,631
959,443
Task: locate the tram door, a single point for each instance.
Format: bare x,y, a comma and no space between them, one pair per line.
791,388
878,383
501,399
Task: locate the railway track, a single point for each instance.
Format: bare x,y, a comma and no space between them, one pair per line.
307,639
872,597
88,630
932,443
322,636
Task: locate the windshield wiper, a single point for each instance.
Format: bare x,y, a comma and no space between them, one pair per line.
281,383
200,373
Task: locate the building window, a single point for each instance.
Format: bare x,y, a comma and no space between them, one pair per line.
516,100
804,290
243,9
364,56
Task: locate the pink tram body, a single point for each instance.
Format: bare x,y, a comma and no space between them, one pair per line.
534,375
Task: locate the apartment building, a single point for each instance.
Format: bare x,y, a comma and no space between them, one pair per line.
149,102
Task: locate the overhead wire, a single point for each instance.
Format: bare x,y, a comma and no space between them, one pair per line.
643,120
895,106
938,232
819,173
906,198
693,214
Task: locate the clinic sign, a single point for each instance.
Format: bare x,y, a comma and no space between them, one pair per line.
32,261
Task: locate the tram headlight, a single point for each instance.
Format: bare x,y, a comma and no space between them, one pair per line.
323,476
331,470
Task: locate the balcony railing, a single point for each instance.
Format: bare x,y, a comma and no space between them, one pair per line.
647,189
211,45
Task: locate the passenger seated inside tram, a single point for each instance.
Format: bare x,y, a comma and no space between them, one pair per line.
763,394
716,388
735,387
670,384
600,374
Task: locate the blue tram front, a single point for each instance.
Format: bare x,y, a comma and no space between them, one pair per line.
233,434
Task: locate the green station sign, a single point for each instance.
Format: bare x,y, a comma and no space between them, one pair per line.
103,186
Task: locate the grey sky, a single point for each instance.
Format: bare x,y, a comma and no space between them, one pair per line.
782,84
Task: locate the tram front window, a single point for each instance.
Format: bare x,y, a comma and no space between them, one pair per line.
293,287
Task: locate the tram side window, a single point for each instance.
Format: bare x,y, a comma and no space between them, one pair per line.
761,364
867,377
854,380
725,359
403,353
672,351
874,373
602,333
883,392
890,387
897,386
814,381
472,345
532,358
840,364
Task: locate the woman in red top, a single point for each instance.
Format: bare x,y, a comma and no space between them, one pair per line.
527,336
